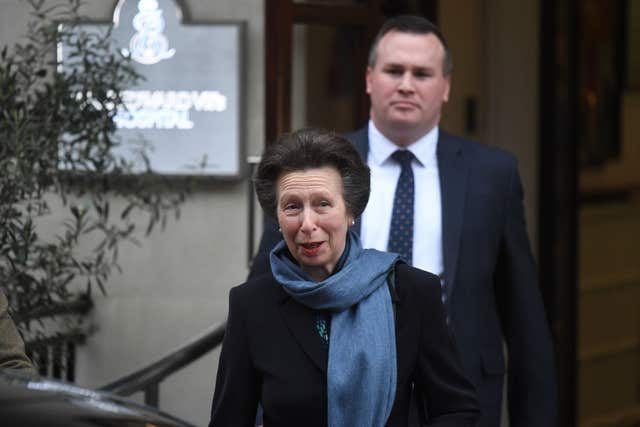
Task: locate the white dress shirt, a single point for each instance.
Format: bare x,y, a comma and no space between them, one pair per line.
427,220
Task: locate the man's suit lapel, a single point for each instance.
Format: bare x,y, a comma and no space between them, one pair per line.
453,167
360,139
300,321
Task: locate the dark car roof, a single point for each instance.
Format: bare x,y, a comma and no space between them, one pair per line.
29,401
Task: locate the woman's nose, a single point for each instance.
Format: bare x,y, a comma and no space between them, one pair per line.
308,221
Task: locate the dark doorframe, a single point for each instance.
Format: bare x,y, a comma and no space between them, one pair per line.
281,16
558,201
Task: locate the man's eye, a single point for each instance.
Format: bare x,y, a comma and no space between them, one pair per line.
324,204
290,206
421,74
395,71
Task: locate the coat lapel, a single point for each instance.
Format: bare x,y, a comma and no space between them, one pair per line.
453,166
300,321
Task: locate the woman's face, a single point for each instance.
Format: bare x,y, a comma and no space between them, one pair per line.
313,218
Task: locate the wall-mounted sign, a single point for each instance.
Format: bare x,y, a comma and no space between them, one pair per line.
188,108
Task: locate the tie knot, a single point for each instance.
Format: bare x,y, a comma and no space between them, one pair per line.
403,157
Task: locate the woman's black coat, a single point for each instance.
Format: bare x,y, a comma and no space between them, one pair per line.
273,354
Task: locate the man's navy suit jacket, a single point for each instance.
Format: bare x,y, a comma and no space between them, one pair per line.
491,285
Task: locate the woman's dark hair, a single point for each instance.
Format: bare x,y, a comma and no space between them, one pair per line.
307,149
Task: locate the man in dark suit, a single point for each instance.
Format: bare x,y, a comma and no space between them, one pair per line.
468,223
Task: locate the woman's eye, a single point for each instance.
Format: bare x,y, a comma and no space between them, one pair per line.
324,204
290,206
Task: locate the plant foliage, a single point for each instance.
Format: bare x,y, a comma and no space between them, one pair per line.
57,140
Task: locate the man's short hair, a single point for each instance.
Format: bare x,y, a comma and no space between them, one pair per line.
411,24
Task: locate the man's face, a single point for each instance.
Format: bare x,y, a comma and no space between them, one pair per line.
406,86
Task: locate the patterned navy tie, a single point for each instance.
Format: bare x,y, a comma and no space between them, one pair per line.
401,232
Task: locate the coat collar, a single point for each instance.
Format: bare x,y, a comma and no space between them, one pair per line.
300,320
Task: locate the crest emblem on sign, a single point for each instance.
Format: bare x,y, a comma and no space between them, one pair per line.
148,45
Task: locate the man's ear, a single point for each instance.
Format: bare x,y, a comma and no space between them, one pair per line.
447,89
368,79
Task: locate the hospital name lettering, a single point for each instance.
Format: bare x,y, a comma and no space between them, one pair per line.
159,109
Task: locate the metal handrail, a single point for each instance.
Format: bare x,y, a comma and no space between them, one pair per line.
148,378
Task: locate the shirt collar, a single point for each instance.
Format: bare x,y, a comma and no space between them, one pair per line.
381,148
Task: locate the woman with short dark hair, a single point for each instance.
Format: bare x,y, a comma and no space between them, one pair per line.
336,334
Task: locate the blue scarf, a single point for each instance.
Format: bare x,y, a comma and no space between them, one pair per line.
361,376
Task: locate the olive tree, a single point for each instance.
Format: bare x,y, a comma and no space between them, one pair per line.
57,141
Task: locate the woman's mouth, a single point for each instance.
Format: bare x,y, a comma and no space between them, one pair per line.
311,248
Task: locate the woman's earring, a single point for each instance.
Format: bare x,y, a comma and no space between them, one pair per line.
279,230
353,222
